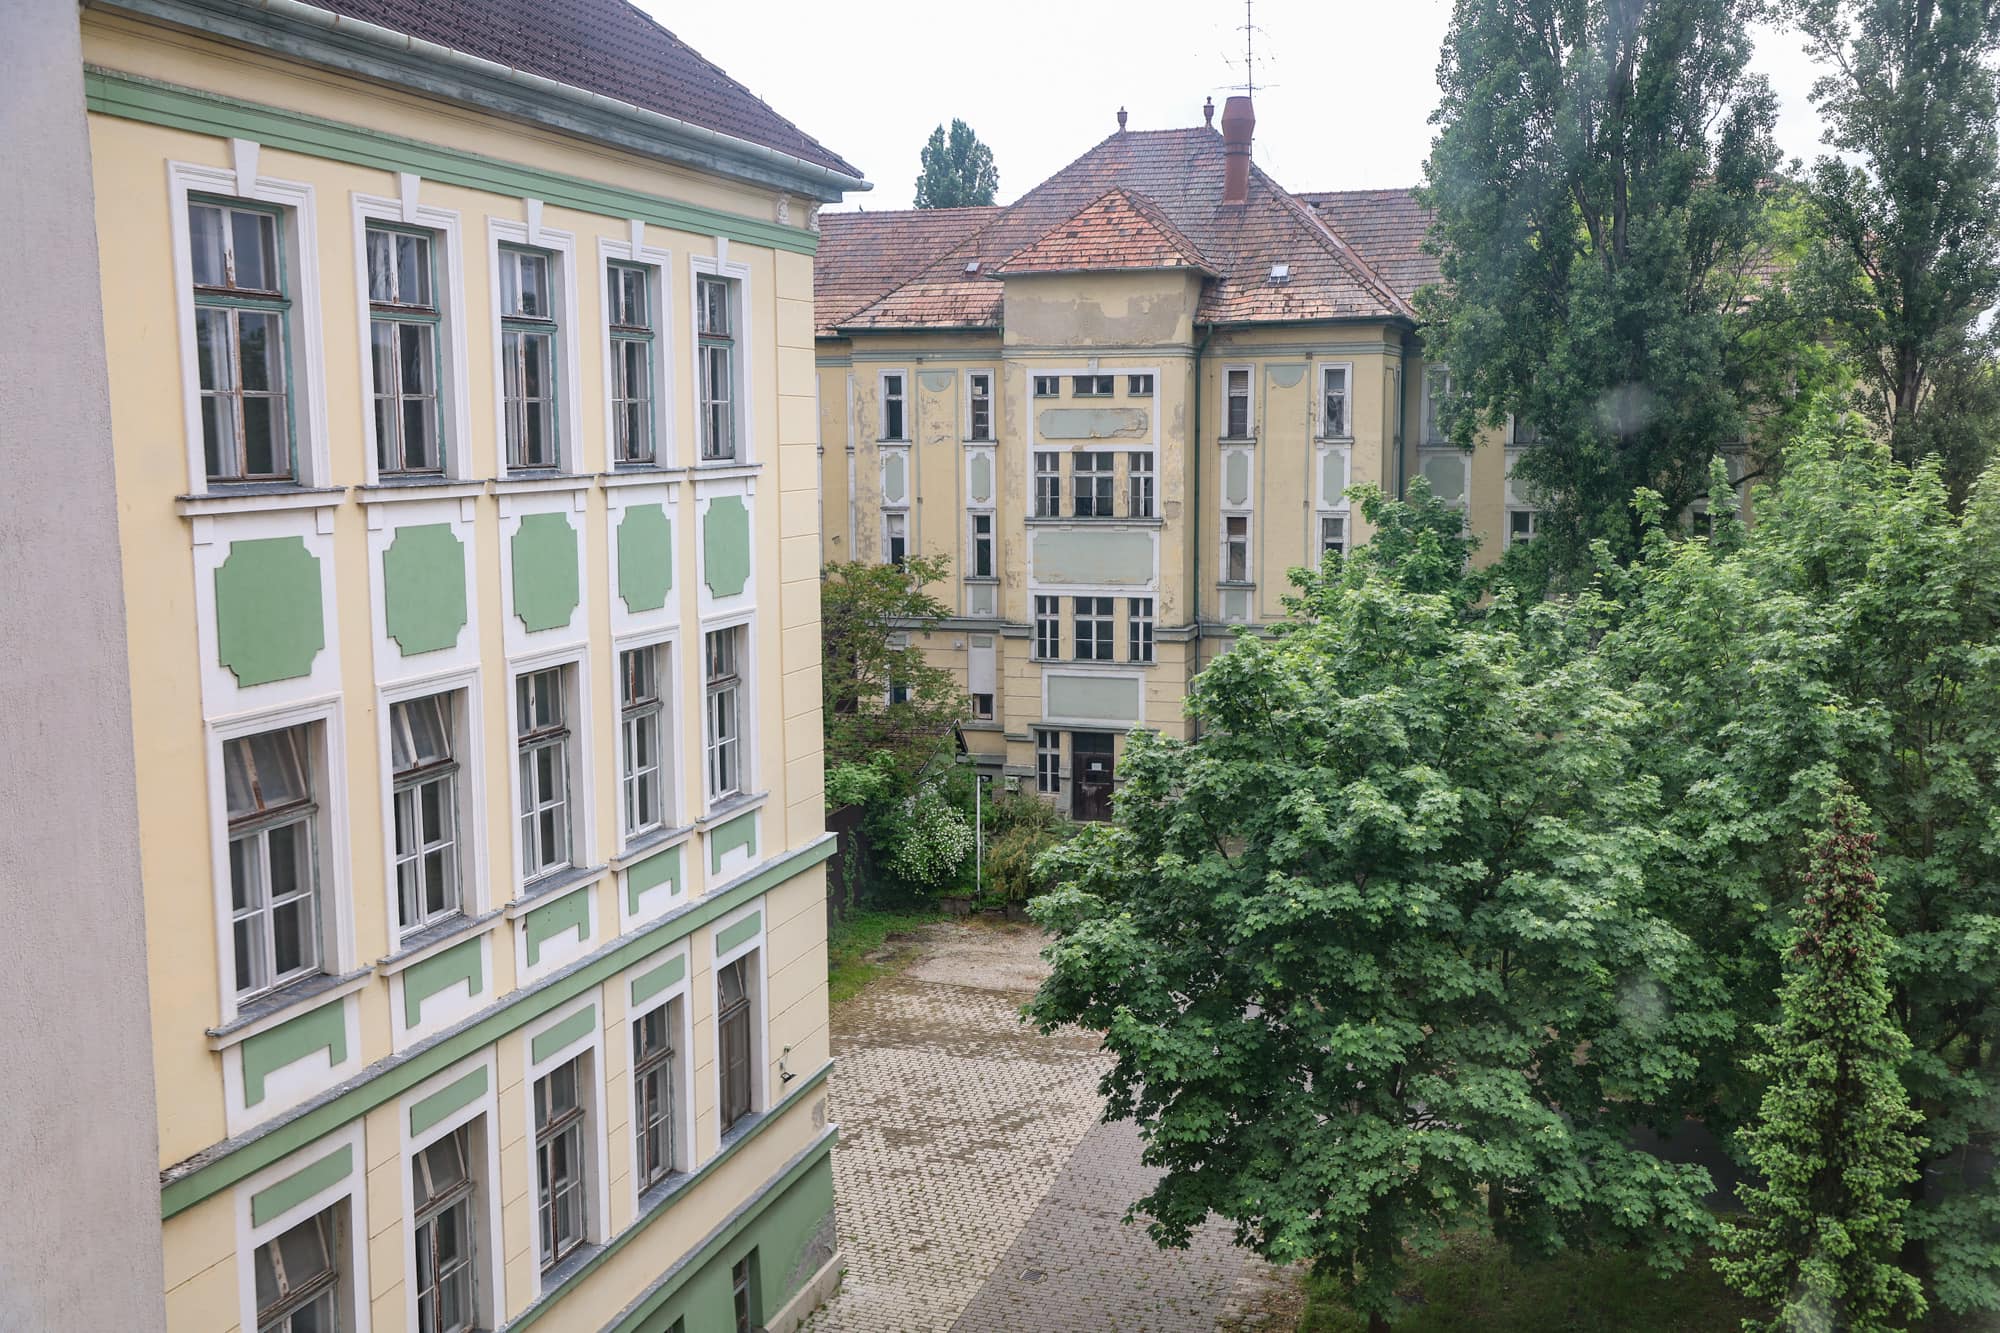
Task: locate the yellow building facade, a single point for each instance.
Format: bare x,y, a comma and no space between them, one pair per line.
463,413
1123,409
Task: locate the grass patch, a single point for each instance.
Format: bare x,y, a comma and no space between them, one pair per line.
1473,1283
859,934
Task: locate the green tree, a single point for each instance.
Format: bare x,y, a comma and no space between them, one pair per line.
1910,206
1602,178
1834,1144
958,171
879,695
1376,954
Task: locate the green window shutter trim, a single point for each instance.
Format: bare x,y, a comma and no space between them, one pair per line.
726,838
324,1029
649,874
447,1099
666,974
423,588
746,929
725,545
274,1202
570,912
645,557
269,621
574,1028
437,973
546,590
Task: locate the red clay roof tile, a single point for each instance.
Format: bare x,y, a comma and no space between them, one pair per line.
1117,230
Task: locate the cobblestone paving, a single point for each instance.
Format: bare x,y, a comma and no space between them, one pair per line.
976,1191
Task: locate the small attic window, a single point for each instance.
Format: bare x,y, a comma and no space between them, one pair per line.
972,266
1280,274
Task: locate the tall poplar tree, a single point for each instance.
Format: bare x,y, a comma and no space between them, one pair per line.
1601,178
958,170
1834,1143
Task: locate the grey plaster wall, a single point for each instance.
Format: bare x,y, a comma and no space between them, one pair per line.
80,1228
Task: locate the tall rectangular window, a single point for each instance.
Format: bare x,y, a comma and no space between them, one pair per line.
642,738
722,654
1140,645
1520,526
715,321
743,1294
979,406
297,1277
273,859
1236,548
528,332
895,537
242,318
1139,485
981,564
1437,398
653,1097
1332,535
1048,761
736,1047
1048,627
441,1187
893,424
403,326
561,1191
1093,629
1048,485
633,331
1333,422
1236,421
425,799
1091,480
542,726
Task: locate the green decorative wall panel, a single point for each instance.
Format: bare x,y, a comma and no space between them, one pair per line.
1236,477
276,1200
645,876
1098,698
440,972
570,912
725,546
645,557
895,481
1091,557
1286,376
324,1029
550,1040
726,838
652,983
935,381
1093,423
423,588
545,571
741,933
269,620
979,479
447,1099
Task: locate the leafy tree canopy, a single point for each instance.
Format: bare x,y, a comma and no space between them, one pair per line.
879,695
958,170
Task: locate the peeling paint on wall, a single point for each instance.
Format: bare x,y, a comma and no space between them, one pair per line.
1093,423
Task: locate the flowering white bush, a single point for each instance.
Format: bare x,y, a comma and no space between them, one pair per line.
935,840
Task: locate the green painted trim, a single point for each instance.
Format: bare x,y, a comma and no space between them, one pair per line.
550,1040
725,545
129,97
269,620
324,1029
731,1227
643,877
422,980
731,936
726,838
547,588
423,588
645,557
570,912
295,1189
447,1099
218,1167
666,974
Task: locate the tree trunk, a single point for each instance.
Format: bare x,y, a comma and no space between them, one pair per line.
1378,1322
1496,1206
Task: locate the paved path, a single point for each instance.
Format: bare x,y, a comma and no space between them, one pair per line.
977,1192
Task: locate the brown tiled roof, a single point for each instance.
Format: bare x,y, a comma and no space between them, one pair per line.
862,255
1177,174
1388,228
1117,230
602,46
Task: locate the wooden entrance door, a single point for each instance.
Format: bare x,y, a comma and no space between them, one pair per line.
1090,768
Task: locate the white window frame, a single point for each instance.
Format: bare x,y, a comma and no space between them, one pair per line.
1345,369
1036,477
455,412
1048,775
305,330
721,266
1430,436
1249,578
901,397
972,435
489,1289
1249,373
1324,517
746,711
972,543
760,1006
1103,482
895,524
356,1309
336,908
1133,388
1140,630
590,1092
561,247
1134,474
681,1029
1046,619
469,740
1101,615
1103,384
1037,382
582,758
666,437
673,791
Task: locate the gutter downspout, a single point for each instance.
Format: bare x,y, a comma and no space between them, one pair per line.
1402,412
1194,490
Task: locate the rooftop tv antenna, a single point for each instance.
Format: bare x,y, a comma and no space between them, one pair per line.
1249,29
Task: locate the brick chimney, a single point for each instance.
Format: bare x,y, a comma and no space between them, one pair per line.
1238,123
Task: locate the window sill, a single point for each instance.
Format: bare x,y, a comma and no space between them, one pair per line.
977,439
434,940
269,1011
551,887
730,808
1093,521
573,1263
724,469
1234,583
1236,439
527,483
983,579
981,724
259,498
646,844
1334,439
393,490
640,474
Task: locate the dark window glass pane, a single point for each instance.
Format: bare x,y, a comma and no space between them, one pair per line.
205,244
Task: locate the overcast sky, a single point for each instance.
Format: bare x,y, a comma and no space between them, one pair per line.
1344,99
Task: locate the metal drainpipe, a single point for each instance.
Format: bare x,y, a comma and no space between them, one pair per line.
1402,412
1194,487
